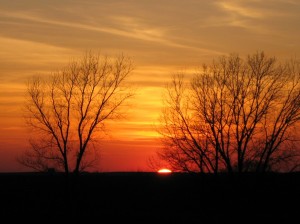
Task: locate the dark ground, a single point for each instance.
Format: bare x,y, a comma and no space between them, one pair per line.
150,198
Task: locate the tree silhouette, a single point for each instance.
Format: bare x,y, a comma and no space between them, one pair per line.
235,115
69,108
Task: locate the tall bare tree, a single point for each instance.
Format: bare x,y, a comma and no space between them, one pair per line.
69,108
238,115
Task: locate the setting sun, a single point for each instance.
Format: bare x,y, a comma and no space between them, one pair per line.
164,171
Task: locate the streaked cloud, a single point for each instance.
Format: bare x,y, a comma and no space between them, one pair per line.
235,8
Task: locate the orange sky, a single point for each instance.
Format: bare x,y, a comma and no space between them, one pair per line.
161,36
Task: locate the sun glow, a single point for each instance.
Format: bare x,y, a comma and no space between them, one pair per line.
163,171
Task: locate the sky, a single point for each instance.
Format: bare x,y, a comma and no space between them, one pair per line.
161,37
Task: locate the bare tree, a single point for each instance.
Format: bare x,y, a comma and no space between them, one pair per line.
69,108
238,115
186,146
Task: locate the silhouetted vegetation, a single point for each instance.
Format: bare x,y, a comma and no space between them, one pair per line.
150,198
235,115
66,111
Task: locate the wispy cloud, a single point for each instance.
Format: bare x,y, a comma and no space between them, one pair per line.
128,27
235,8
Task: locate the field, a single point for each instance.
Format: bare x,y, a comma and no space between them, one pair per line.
150,198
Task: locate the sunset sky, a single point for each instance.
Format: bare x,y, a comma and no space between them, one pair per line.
161,36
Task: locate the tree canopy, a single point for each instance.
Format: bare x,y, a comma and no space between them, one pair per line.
67,109
237,114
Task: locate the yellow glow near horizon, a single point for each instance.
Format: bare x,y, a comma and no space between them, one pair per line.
164,171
